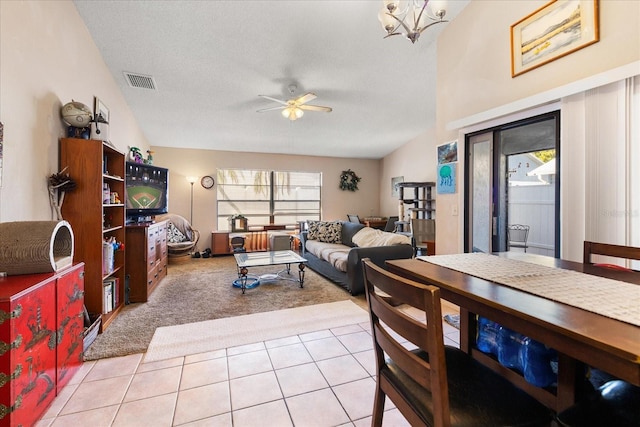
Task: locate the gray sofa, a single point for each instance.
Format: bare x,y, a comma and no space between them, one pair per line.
340,261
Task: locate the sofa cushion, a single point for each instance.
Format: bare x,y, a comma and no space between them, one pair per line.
333,253
328,232
368,237
349,229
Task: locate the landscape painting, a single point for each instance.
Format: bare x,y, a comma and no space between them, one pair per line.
555,30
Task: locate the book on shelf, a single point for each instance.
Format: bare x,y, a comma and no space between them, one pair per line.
111,294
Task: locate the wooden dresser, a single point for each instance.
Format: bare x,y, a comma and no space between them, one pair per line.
41,335
146,258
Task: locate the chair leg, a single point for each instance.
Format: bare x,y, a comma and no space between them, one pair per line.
378,407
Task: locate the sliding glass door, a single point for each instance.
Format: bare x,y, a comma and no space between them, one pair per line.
513,179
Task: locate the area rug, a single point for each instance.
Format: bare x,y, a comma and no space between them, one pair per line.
201,289
201,337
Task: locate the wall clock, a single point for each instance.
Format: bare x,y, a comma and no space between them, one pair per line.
207,182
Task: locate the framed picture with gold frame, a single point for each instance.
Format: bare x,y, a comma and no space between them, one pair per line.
551,32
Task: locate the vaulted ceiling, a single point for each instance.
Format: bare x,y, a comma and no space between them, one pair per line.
209,61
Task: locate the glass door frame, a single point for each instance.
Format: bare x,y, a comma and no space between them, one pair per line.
499,181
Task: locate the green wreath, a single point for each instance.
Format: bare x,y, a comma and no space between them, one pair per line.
349,180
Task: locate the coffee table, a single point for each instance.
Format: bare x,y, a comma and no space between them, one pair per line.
245,260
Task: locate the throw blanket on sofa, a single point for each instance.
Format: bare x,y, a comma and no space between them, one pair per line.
369,237
335,254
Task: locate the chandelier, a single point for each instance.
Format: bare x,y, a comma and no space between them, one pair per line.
410,19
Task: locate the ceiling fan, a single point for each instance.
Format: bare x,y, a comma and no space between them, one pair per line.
294,108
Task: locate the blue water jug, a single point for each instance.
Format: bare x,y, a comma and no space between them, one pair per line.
510,348
537,363
487,338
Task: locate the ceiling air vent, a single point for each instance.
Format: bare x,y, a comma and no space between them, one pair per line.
140,80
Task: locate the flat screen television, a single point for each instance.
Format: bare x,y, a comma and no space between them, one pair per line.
147,191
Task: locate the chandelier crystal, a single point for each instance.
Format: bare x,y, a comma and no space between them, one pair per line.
410,19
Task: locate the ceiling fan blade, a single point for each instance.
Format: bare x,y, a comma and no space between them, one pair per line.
316,108
305,98
279,101
272,108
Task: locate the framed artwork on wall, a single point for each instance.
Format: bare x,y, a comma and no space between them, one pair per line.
446,183
100,111
395,192
551,32
448,152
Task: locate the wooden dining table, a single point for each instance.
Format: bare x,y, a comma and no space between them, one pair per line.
581,337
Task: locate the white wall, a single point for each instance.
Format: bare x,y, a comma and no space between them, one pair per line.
336,203
475,88
414,161
47,58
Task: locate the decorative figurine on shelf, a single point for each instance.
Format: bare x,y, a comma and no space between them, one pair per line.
117,246
78,117
136,155
149,160
238,222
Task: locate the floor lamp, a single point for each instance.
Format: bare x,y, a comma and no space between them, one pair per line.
192,180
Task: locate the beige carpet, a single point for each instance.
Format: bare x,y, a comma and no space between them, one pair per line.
200,290
201,337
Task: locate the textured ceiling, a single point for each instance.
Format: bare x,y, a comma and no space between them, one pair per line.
211,59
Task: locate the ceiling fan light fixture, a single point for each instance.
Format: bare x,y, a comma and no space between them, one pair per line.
292,113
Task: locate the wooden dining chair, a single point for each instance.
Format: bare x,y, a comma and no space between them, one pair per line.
391,224
614,402
423,233
432,384
615,251
353,218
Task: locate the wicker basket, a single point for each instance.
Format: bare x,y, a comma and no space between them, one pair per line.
91,333
28,247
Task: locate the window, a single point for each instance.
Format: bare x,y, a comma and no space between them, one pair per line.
268,197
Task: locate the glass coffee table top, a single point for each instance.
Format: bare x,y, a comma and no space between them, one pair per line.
245,260
256,259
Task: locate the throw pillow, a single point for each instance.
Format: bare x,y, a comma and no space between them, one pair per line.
174,235
328,232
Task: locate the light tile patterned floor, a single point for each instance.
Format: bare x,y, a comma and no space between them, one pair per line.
325,378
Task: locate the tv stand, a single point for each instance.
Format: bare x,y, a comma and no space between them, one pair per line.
146,258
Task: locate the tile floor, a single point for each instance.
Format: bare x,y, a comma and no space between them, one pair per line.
324,378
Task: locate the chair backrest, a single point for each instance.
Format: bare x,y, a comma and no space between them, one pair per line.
353,218
423,230
392,328
391,224
615,251
237,244
182,224
518,233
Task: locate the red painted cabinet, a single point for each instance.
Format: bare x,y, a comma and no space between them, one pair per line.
41,328
70,324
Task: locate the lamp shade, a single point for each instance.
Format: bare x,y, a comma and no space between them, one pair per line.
387,21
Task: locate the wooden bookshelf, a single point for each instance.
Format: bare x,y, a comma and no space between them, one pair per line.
92,164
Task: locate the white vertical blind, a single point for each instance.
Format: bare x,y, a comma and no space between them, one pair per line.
268,197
